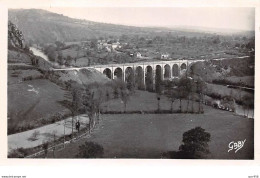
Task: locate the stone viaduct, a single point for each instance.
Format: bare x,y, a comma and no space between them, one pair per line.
143,75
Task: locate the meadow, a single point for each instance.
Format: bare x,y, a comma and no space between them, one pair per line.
34,103
149,135
145,101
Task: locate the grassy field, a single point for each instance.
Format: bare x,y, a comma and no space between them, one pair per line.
145,101
192,51
16,76
247,80
72,52
32,103
83,76
17,56
147,136
81,62
225,91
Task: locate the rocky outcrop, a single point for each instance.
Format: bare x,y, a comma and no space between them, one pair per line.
15,36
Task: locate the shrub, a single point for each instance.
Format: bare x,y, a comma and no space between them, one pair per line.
90,150
18,153
45,147
34,136
195,145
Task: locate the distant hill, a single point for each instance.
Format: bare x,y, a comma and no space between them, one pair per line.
41,26
44,27
219,31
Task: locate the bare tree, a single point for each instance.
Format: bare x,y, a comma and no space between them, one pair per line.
90,106
125,97
45,147
78,50
188,88
193,92
182,91
76,104
201,87
171,93
99,98
51,137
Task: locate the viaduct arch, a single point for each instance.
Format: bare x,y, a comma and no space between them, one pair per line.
146,75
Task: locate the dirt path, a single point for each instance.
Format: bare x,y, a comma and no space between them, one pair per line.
23,139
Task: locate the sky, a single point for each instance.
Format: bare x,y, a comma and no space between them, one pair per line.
238,18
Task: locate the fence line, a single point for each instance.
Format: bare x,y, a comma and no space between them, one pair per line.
60,146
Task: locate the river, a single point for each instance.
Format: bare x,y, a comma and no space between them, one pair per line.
242,112
38,52
238,109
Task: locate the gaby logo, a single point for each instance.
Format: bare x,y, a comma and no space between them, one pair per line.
236,145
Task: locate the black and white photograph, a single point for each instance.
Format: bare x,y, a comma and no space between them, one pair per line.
131,82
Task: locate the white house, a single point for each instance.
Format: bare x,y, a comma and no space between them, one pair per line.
116,45
165,56
138,55
108,48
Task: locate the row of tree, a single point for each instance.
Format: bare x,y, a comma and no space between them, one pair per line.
195,39
186,89
88,99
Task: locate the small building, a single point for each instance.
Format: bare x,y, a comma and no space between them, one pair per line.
116,45
100,46
165,56
138,55
108,48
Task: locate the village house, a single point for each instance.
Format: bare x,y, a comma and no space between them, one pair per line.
165,56
138,55
99,46
108,48
116,45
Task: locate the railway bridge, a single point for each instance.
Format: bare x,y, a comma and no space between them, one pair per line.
143,75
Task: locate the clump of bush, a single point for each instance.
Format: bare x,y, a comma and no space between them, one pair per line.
195,145
90,150
228,82
18,153
33,77
35,136
16,73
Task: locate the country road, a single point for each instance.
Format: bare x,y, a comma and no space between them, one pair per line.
22,139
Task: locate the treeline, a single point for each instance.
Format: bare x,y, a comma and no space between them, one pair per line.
239,41
88,50
229,82
88,99
53,52
192,90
